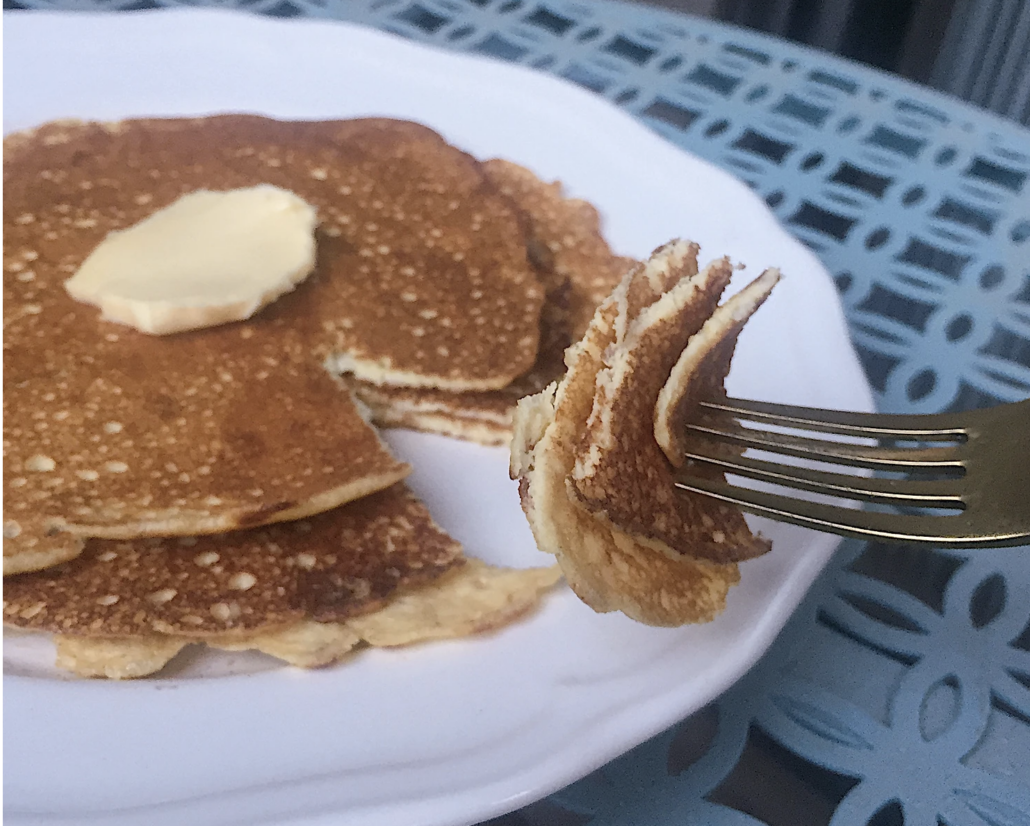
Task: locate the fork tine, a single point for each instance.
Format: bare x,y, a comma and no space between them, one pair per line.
914,493
939,531
931,427
724,429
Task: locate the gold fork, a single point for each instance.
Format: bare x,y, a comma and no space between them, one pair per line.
975,465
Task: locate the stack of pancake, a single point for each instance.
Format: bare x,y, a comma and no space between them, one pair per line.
222,486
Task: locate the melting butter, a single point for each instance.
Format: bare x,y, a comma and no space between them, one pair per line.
206,259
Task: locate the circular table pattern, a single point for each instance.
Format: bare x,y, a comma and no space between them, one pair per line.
900,690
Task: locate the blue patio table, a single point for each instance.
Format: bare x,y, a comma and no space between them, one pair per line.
900,691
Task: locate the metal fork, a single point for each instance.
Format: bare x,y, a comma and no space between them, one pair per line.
976,464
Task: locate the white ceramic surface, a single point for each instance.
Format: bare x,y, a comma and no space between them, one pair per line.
453,732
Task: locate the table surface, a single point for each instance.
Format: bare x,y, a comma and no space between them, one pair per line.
900,690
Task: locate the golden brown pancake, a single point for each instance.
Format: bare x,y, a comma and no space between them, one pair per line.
700,372
608,568
471,599
323,568
620,471
114,433
117,434
576,267
404,216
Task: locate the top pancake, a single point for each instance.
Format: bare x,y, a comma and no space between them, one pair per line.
112,433
422,276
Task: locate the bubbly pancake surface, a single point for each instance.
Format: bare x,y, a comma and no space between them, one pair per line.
110,432
404,215
323,568
578,270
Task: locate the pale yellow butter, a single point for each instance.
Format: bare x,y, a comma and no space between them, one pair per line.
208,258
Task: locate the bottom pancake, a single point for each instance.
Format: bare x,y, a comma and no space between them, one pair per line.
472,599
378,570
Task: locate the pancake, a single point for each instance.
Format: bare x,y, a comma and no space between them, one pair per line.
323,568
113,433
404,216
578,270
699,373
620,471
474,598
116,434
110,432
608,568
378,571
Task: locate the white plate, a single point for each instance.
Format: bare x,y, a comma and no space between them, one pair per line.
454,732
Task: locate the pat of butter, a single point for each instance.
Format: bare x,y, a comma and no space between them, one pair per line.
208,258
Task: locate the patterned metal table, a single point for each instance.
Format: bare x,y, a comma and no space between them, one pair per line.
900,691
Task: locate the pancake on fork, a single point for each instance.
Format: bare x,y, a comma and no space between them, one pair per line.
576,267
377,570
611,565
699,373
621,470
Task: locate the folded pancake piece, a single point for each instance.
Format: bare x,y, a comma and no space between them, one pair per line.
620,471
471,599
323,568
609,569
578,270
700,372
